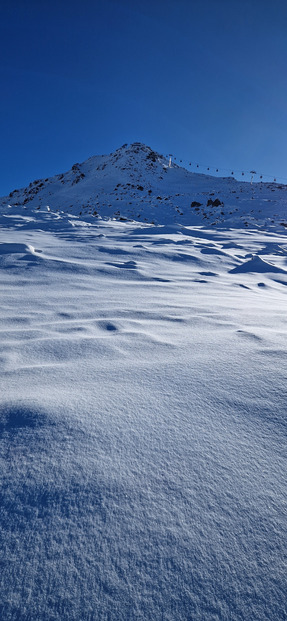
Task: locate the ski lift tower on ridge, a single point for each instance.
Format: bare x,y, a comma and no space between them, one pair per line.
252,172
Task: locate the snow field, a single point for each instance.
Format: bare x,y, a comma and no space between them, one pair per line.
143,422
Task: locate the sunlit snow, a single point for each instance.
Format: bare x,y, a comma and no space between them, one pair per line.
143,398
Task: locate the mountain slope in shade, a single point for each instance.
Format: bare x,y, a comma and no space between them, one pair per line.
136,183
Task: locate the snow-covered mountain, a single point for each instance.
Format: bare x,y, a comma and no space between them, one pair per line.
143,396
136,183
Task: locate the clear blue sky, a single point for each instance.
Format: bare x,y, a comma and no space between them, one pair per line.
203,79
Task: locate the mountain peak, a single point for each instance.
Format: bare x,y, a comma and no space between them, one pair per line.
136,182
138,153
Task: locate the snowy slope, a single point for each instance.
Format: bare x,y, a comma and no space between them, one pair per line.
137,183
143,398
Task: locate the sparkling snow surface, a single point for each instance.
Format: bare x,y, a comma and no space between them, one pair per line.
142,420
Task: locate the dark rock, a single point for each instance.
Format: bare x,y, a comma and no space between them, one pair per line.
151,156
215,203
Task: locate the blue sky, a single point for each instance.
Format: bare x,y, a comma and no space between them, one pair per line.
203,79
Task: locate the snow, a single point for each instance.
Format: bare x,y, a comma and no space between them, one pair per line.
143,405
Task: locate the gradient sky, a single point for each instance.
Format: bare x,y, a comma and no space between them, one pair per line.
202,79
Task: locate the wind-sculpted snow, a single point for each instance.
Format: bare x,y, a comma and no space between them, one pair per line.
142,421
256,264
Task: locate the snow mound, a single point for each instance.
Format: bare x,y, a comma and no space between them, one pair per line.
256,265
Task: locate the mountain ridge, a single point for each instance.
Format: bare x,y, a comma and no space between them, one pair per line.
135,182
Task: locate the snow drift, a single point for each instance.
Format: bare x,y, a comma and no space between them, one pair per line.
143,400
